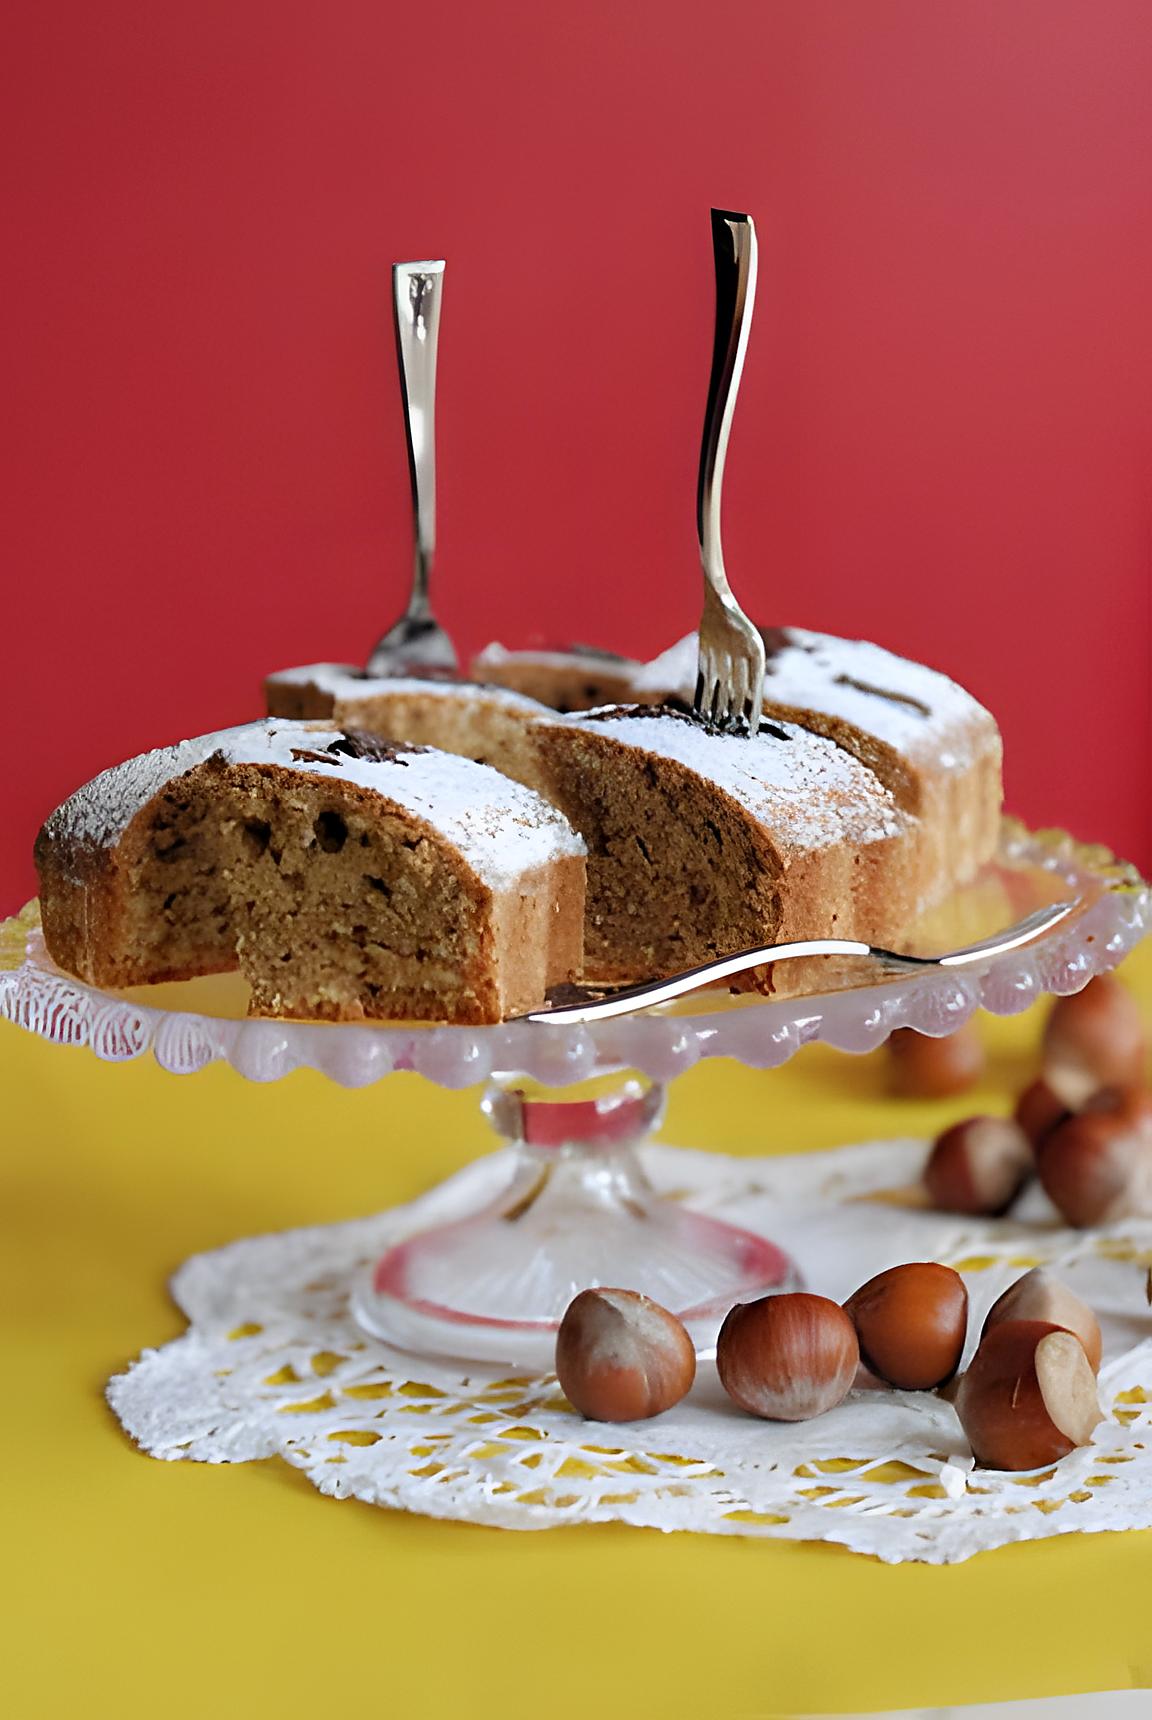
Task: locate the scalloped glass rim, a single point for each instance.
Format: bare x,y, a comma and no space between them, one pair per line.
761,1033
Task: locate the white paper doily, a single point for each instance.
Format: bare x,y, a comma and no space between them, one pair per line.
272,1365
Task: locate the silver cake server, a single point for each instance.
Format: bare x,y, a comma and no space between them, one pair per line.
591,1003
417,644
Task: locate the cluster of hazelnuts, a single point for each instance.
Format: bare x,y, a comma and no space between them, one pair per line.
1083,1127
1027,1399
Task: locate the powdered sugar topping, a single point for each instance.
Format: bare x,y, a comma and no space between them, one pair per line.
100,812
804,789
346,684
914,709
499,827
585,659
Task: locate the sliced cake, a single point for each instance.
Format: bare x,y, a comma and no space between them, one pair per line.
569,678
700,844
927,740
346,878
486,724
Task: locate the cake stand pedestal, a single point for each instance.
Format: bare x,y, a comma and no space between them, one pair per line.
576,1100
578,1210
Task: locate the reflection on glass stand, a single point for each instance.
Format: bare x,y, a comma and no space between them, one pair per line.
577,1209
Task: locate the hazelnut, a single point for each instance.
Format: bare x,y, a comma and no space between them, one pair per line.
787,1357
924,1068
1029,1397
1040,1296
978,1166
1096,1166
622,1357
1094,1039
1039,1109
911,1322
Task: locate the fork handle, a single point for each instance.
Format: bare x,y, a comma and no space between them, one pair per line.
416,289
734,247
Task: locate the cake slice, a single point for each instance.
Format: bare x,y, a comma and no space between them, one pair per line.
926,739
486,724
701,844
346,878
569,678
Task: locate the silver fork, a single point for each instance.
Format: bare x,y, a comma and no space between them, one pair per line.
417,644
730,682
593,1004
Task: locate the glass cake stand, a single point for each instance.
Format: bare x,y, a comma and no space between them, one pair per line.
575,1101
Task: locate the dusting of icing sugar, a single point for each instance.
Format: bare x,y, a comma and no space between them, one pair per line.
582,658
847,679
834,665
500,828
805,790
319,675
343,681
100,812
673,672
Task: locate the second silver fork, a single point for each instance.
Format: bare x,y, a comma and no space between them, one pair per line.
417,644
730,681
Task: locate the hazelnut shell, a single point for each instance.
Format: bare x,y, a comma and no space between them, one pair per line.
1029,1397
1096,1166
1095,1038
926,1068
978,1166
911,1322
1039,1109
787,1357
1038,1295
621,1356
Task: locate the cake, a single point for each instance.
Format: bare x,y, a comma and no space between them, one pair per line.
570,678
421,880
486,724
346,878
700,843
926,739
891,770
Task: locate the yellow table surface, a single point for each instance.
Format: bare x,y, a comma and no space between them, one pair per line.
134,1587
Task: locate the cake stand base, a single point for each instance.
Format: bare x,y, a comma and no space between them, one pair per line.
578,1211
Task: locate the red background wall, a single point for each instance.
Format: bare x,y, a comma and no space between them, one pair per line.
944,440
